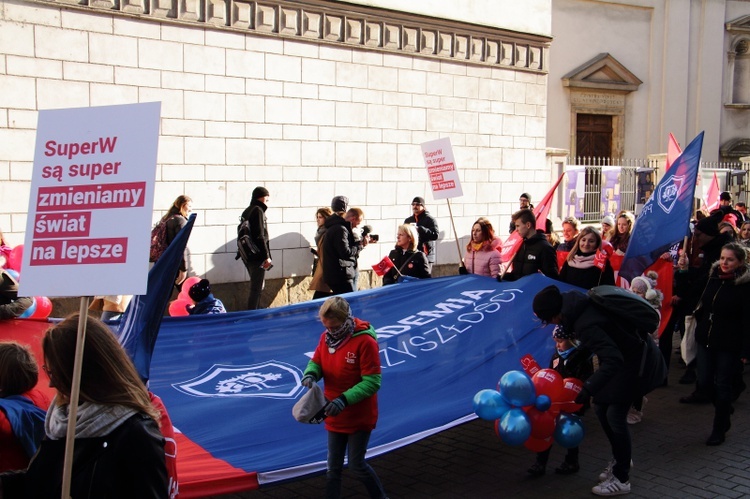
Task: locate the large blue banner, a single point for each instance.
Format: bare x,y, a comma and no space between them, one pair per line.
230,381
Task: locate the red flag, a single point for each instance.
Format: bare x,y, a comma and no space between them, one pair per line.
541,210
603,254
561,257
383,266
673,151
712,198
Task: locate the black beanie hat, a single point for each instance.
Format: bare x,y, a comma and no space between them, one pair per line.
525,195
709,226
260,192
339,203
200,290
547,303
419,200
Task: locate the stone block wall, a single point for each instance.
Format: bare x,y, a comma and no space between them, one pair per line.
258,99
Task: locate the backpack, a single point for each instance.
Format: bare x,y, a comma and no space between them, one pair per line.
246,248
643,320
158,240
626,306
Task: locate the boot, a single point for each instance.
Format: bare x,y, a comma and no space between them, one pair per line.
721,423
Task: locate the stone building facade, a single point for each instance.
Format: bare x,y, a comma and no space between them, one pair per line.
310,99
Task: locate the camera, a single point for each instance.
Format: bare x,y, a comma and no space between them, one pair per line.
367,231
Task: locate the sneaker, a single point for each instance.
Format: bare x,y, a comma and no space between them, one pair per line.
611,487
607,473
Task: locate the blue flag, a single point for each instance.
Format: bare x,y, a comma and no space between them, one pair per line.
665,217
140,323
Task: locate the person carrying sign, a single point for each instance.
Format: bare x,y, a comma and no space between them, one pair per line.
119,450
426,226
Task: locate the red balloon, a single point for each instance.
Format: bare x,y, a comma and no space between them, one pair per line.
178,308
538,444
548,382
15,258
43,308
542,423
571,388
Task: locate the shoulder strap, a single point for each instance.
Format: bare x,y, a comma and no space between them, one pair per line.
407,262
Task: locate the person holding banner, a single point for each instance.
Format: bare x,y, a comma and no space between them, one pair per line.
119,450
348,361
585,265
536,254
426,226
481,257
407,260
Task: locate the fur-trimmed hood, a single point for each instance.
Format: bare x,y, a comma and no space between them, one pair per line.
743,278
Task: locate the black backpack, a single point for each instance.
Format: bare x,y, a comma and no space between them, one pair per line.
627,307
246,248
636,315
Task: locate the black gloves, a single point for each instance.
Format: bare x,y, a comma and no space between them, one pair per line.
583,397
462,270
335,406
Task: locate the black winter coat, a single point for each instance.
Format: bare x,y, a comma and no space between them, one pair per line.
587,278
340,252
723,321
127,463
535,254
258,229
175,223
416,265
618,350
427,228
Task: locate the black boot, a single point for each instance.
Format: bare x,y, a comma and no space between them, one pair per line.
721,423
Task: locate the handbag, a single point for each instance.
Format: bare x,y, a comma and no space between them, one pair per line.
309,408
653,370
687,345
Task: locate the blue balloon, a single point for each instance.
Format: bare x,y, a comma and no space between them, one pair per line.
514,428
517,389
489,405
543,402
569,430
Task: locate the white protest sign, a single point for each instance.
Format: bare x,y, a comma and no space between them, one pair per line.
92,191
438,158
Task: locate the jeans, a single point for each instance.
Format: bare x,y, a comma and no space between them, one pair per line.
257,280
357,443
613,418
717,370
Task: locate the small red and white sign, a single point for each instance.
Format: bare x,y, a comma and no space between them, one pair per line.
441,168
90,208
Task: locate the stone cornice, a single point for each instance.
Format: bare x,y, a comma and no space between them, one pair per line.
342,24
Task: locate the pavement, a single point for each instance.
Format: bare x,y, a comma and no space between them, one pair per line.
670,459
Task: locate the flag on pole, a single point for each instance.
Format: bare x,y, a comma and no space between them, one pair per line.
383,266
712,198
541,211
140,323
665,217
673,150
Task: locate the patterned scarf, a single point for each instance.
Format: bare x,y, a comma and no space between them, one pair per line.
92,420
336,337
582,261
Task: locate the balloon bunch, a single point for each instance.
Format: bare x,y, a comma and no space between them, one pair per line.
533,411
179,306
41,306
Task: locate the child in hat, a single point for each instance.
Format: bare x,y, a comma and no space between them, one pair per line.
571,361
205,302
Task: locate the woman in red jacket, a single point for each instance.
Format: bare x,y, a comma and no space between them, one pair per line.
22,406
347,358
